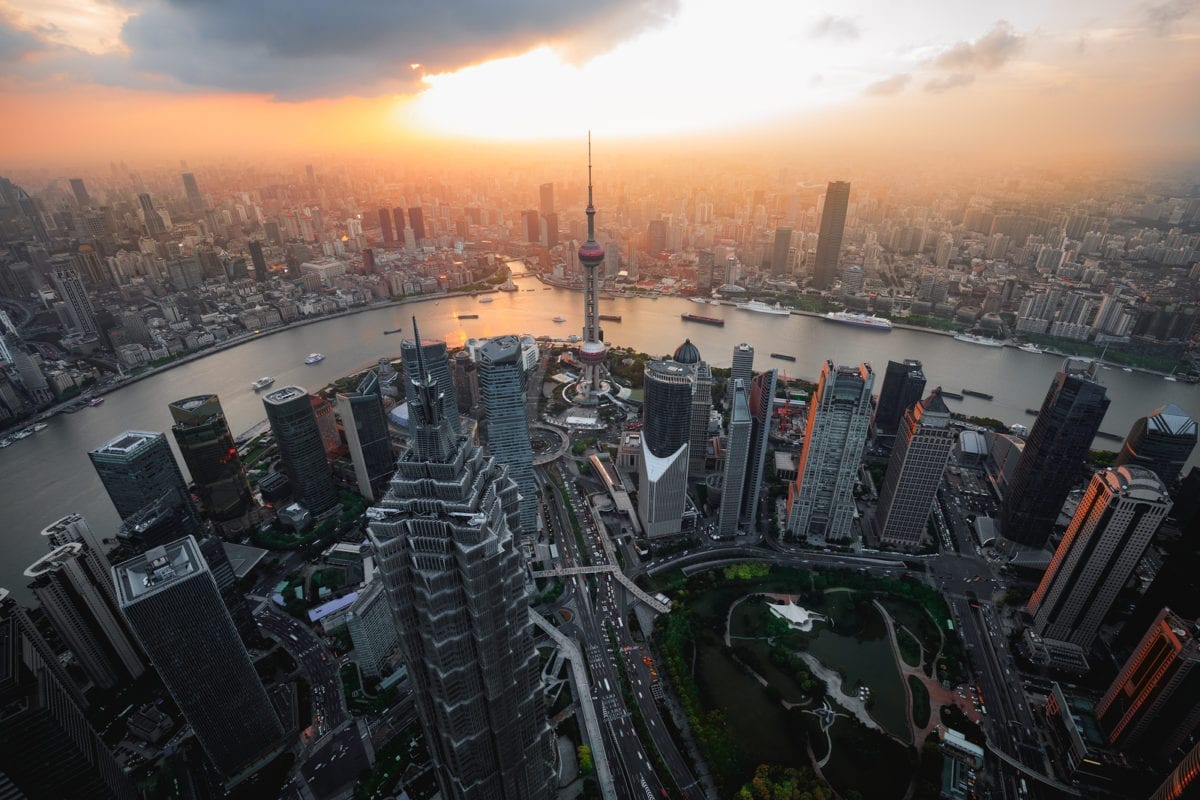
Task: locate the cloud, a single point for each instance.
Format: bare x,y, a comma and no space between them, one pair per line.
836,28
951,81
15,43
888,86
990,51
300,49
1161,17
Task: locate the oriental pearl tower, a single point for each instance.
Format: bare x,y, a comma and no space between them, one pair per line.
593,349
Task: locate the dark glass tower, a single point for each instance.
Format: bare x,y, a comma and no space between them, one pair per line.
211,456
192,190
737,453
445,544
171,601
367,436
48,751
398,224
829,240
137,468
416,221
761,399
666,431
502,391
1054,453
1161,441
438,365
903,385
385,225
258,260
290,413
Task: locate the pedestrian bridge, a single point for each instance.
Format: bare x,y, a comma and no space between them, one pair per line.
633,588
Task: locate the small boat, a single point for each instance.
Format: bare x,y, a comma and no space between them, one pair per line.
468,316
1170,378
783,356
23,434
559,319
95,401
41,426
262,383
1031,348
314,358
1126,369
487,299
393,330
1032,411
980,395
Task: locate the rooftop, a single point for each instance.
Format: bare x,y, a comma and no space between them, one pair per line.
126,443
157,569
283,395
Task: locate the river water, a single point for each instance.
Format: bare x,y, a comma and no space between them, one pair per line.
49,475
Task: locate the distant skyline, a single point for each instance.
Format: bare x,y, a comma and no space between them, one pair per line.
1112,80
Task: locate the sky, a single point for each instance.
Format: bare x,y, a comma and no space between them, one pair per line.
1025,81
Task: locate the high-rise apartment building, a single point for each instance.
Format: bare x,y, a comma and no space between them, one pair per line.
80,314
385,226
211,456
81,193
737,453
137,468
416,221
531,226
1184,781
301,448
698,427
73,586
438,363
502,392
546,198
192,190
258,260
829,240
666,429
398,224
761,399
915,472
821,500
1054,453
372,629
779,253
1153,705
1110,531
444,538
903,385
365,423
1162,442
705,266
171,601
48,750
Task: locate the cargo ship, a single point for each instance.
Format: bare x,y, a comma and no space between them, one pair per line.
952,395
720,323
393,330
783,356
468,316
980,395
859,320
611,317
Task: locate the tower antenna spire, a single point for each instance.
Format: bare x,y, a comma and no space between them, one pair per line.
591,209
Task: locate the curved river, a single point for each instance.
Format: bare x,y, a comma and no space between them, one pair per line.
48,475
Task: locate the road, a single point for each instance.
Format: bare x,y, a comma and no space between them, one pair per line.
328,704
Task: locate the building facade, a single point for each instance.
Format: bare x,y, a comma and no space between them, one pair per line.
903,385
761,399
1110,531
914,473
138,468
1161,441
737,453
365,424
829,240
438,365
666,429
211,456
372,629
301,448
821,500
502,393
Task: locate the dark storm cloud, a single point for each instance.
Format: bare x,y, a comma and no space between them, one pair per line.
888,86
301,49
836,28
990,51
1161,17
952,81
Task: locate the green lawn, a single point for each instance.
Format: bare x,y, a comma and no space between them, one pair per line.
920,701
910,650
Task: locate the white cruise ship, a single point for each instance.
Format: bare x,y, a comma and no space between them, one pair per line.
262,383
986,341
1031,348
860,320
763,308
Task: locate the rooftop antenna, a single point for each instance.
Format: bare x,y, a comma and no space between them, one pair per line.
591,209
420,353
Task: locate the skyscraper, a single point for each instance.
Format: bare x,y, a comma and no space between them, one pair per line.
365,423
546,198
385,225
171,601
666,429
48,750
372,629
398,224
737,452
531,226
915,472
137,468
72,584
761,398
75,298
1110,531
211,456
1054,453
258,260
1184,780
1161,441
33,215
502,393
150,217
903,385
593,351
698,426
416,221
437,363
829,239
1153,705
821,500
192,190
445,545
779,254
81,193
301,448
705,264
741,369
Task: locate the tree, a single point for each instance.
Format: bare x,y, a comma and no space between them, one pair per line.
586,765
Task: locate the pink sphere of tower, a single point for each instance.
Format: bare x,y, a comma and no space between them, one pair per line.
593,352
591,254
